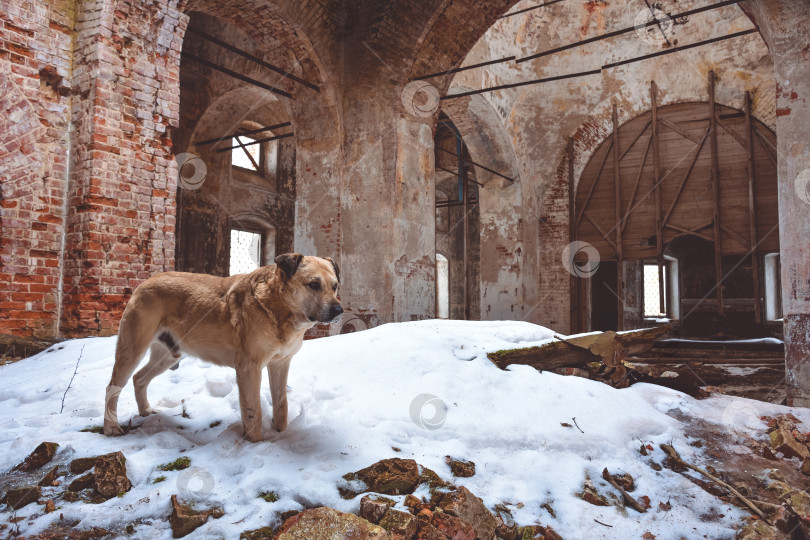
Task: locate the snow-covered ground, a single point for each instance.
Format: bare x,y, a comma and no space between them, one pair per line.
425,388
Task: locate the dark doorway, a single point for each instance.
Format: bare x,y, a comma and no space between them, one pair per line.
604,302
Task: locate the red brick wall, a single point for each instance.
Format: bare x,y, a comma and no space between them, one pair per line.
120,229
35,50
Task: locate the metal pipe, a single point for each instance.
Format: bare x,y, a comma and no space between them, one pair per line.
549,3
243,133
252,58
257,141
627,30
236,75
474,163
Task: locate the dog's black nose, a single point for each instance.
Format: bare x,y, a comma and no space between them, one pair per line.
335,311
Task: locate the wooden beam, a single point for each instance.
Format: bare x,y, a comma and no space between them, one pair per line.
638,181
573,290
731,132
752,210
574,351
686,177
715,179
689,231
679,130
636,138
605,235
766,144
736,236
659,233
617,193
593,185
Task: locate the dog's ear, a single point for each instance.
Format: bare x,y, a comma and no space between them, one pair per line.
288,263
335,266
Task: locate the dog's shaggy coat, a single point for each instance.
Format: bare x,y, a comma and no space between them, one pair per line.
247,321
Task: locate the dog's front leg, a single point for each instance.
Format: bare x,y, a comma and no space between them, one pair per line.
248,379
277,373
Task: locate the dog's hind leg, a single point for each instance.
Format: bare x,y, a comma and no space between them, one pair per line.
160,359
133,339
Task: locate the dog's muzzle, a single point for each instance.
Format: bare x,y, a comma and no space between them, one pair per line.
332,315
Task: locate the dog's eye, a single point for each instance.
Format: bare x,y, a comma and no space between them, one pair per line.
334,287
314,285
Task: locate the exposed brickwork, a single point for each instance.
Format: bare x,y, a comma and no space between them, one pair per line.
121,228
35,53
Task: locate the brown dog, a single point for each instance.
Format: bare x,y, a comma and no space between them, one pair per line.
246,321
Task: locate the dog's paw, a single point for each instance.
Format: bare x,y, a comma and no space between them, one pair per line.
147,411
279,426
113,430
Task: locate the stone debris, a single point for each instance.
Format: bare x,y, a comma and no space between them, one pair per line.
185,520
469,508
373,507
452,513
40,456
111,475
327,524
393,476
19,497
400,525
461,468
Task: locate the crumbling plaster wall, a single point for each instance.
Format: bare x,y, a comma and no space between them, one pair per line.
784,25
540,118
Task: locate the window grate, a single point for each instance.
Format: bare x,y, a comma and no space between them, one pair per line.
246,251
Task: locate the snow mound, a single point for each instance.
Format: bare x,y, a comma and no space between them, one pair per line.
425,388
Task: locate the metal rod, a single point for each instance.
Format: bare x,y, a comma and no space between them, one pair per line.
626,30
549,3
257,141
599,71
474,163
524,83
658,23
752,210
465,68
236,75
456,172
450,204
243,133
680,48
715,178
252,58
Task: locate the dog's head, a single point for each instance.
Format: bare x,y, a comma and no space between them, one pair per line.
310,286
